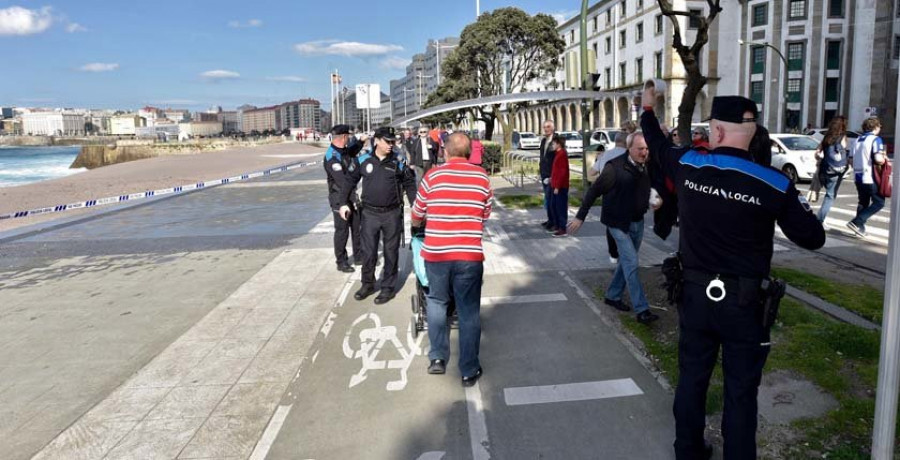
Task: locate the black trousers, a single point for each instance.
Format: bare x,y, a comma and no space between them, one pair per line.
385,226
343,229
735,325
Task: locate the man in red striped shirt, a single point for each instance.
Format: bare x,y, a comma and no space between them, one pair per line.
455,198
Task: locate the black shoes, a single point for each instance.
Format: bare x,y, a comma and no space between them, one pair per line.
357,261
546,224
469,381
345,267
617,304
647,317
437,366
365,291
384,297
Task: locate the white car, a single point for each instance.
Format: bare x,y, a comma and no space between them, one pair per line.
574,142
527,141
794,155
819,134
605,137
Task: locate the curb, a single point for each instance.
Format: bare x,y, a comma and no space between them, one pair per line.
831,309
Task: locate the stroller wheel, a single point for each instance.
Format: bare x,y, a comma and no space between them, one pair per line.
414,301
415,327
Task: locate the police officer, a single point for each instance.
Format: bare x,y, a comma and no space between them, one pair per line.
384,178
728,207
338,158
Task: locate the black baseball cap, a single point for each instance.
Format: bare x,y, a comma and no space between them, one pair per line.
386,133
337,130
732,108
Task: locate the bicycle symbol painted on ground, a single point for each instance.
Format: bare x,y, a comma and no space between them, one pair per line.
372,341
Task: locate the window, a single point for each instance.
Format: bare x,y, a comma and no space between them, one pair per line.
595,50
836,8
832,89
833,55
657,64
896,47
622,8
639,33
596,24
757,91
758,59
621,74
622,37
794,85
694,21
659,24
760,15
796,9
609,16
608,79
795,56
572,36
639,4
639,69
608,45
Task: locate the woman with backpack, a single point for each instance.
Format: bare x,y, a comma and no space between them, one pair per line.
833,156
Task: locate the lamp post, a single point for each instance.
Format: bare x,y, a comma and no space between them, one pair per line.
784,62
437,48
419,77
585,103
405,105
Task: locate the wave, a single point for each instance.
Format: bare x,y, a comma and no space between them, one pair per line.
27,165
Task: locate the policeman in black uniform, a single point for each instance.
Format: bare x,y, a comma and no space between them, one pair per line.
338,158
385,177
728,207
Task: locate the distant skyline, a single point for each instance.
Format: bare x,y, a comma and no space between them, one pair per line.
199,53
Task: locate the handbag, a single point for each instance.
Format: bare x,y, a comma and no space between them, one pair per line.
882,175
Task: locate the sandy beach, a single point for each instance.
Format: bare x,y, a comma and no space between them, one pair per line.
143,175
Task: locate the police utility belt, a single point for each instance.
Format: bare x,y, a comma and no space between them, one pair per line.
768,291
370,207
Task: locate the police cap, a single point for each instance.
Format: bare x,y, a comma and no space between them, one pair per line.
732,108
337,130
387,133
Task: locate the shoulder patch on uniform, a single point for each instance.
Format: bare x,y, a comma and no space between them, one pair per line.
336,166
804,202
362,158
771,177
332,153
369,168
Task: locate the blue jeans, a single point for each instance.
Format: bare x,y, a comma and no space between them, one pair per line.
559,204
462,281
831,184
548,196
626,274
869,203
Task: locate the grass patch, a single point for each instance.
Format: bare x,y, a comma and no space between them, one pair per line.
522,201
841,359
863,300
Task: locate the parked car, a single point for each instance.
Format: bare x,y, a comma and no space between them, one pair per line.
819,134
574,142
604,137
525,141
794,155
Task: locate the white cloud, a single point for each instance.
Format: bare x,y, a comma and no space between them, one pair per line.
564,15
250,23
16,20
220,75
75,27
288,78
99,67
339,48
394,63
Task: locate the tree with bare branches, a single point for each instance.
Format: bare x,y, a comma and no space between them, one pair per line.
690,57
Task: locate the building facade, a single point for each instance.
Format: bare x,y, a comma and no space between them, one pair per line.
423,75
199,128
260,120
300,114
53,124
126,125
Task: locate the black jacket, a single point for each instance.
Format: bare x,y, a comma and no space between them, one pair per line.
384,181
546,159
415,151
337,163
626,190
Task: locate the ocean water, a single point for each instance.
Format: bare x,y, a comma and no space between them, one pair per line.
24,165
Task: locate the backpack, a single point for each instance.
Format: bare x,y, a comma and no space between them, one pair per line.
882,175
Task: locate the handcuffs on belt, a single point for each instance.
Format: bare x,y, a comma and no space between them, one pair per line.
715,284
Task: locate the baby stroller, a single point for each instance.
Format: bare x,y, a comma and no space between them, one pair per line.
419,318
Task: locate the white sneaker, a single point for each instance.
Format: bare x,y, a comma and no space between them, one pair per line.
613,260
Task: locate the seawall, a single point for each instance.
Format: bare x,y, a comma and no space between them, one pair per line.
96,156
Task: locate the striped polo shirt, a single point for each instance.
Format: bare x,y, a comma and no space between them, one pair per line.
454,199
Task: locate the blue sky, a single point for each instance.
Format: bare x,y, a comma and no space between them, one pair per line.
197,53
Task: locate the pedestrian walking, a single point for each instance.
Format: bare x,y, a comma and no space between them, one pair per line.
545,166
727,206
384,178
868,153
559,183
423,153
625,187
833,162
477,151
338,160
454,258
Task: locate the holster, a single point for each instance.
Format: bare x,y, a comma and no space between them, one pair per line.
674,278
771,292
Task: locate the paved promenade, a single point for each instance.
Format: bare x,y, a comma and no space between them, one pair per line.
214,325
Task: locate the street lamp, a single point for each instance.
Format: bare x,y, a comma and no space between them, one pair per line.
783,60
419,77
405,105
437,47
